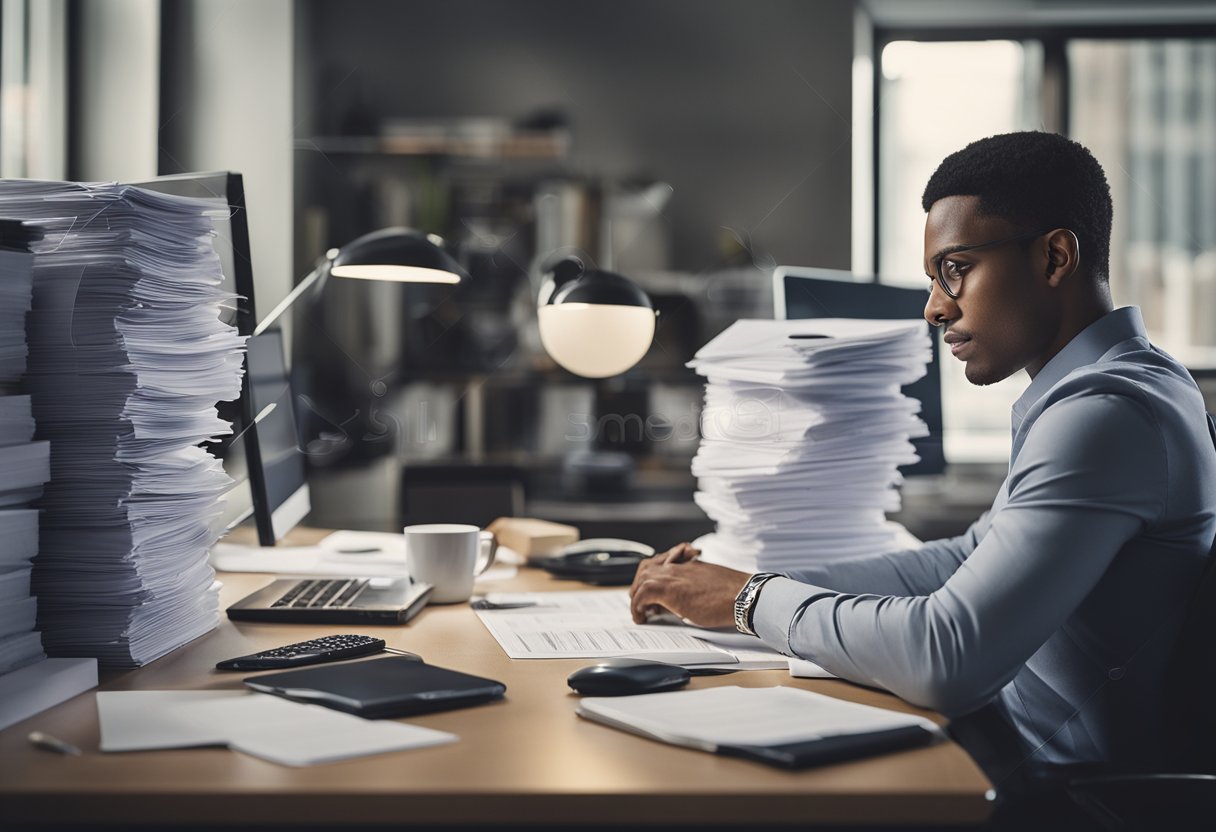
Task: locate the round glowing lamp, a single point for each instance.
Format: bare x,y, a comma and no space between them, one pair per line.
594,323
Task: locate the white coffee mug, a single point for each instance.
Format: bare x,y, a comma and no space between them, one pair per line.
448,556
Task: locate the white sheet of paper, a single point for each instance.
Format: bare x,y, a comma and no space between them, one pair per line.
274,729
580,625
498,572
710,717
143,720
750,652
307,560
804,669
353,541
593,625
295,734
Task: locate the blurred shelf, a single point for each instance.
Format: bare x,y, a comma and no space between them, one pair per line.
513,145
521,376
633,511
652,471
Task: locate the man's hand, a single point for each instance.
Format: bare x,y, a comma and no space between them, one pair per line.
676,581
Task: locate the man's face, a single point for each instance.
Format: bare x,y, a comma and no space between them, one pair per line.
1004,317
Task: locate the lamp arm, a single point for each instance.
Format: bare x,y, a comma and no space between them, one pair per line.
285,304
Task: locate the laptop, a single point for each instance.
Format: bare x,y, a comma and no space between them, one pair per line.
334,601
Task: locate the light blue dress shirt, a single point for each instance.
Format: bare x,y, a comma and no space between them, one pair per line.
1061,603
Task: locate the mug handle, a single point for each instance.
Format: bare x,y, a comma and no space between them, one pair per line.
484,537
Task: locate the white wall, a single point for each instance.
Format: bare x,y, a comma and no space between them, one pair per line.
227,105
742,106
117,76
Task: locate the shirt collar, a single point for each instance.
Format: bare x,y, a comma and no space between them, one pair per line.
1086,347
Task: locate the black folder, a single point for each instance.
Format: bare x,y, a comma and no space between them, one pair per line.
835,749
387,687
803,729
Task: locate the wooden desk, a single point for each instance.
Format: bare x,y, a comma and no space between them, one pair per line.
527,760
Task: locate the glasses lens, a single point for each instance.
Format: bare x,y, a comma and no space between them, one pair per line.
949,277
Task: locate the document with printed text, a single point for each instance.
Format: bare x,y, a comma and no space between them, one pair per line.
597,624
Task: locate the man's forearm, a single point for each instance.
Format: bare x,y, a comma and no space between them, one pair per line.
916,571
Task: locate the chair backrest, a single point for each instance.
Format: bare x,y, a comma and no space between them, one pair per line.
1192,678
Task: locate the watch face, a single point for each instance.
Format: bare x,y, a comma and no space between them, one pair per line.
743,605
746,600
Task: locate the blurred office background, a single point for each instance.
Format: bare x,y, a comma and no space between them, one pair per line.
692,145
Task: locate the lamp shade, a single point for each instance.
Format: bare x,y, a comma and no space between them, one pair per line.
397,254
400,255
596,323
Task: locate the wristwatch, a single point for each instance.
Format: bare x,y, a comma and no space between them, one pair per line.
745,601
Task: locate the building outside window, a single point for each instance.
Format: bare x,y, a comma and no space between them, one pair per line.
1146,108
934,98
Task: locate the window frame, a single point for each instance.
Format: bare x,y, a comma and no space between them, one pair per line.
1054,42
1056,116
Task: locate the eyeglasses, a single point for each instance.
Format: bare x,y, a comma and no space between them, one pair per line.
950,274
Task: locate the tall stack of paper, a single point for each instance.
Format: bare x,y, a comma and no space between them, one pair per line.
803,430
128,358
24,463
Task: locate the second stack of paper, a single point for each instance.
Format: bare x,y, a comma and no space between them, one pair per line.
24,461
803,431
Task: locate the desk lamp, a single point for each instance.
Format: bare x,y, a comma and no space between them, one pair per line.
594,323
398,255
392,254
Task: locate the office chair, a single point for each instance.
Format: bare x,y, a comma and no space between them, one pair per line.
1185,796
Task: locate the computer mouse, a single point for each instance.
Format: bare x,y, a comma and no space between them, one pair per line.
622,677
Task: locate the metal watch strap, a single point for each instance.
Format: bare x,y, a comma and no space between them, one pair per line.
745,601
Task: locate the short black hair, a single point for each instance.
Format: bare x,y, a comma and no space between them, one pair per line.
1033,180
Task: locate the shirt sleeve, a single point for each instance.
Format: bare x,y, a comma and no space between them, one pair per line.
1090,475
916,571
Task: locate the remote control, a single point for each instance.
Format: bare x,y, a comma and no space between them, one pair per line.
326,649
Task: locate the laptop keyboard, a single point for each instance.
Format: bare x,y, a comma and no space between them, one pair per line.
334,593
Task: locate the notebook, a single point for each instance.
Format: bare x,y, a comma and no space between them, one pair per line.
780,726
388,687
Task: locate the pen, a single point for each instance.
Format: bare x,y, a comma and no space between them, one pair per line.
49,743
486,604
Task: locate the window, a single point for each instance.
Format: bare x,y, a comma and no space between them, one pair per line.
1145,106
1147,109
33,68
936,97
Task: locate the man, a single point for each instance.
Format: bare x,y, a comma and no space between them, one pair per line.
1057,609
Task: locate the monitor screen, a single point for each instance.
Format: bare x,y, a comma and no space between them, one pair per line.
283,473
828,293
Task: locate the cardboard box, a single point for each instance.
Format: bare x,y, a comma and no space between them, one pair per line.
534,539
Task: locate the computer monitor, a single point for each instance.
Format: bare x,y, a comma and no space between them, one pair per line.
262,455
284,485
829,293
